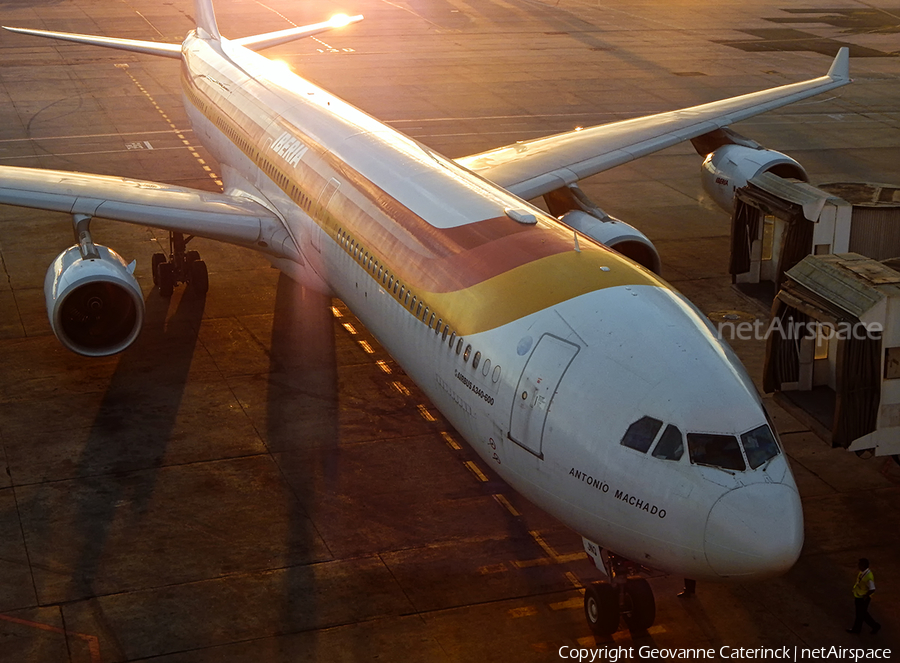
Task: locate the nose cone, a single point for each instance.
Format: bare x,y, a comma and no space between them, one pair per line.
755,531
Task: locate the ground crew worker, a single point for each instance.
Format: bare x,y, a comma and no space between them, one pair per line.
862,595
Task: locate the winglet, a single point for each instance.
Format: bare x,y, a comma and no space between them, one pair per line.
840,68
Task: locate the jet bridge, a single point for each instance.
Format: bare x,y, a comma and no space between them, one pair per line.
777,222
833,350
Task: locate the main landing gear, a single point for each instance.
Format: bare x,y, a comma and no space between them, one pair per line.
626,596
180,266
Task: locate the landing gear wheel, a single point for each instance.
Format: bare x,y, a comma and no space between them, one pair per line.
155,261
601,608
191,256
165,275
639,609
198,275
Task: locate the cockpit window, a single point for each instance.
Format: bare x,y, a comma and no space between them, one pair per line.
716,450
670,445
641,433
759,445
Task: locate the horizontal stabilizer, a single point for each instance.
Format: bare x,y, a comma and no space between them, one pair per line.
269,39
135,45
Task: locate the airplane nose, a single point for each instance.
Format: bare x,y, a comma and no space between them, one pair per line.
755,530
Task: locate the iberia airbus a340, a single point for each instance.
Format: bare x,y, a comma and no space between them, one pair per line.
547,340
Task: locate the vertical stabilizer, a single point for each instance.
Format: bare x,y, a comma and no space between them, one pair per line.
206,19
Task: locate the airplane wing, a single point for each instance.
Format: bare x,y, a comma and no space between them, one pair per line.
533,168
218,216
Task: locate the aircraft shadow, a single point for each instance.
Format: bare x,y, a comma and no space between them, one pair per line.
302,434
132,430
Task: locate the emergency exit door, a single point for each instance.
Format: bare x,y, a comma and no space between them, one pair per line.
538,384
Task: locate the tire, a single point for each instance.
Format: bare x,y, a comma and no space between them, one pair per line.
191,256
639,611
166,279
199,277
155,261
601,608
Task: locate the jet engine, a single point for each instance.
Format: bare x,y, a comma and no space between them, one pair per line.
616,234
731,166
576,210
95,304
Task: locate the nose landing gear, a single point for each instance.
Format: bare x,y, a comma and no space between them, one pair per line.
624,596
180,266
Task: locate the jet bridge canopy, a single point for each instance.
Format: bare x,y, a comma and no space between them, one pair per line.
776,222
833,351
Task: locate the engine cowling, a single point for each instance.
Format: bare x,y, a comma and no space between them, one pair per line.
95,305
616,234
731,166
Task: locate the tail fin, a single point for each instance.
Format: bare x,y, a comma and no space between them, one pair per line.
206,19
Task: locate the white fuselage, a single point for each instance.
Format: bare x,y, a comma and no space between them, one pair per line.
540,353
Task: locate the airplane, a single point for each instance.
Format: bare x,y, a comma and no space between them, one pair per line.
548,340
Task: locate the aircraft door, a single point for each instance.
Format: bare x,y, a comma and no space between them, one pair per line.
325,197
534,394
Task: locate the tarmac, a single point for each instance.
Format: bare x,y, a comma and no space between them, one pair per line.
256,479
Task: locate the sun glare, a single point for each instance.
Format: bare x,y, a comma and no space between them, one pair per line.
339,20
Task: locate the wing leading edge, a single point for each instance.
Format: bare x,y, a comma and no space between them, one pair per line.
533,168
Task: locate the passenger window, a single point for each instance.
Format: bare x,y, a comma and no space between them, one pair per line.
641,433
759,445
444,333
716,450
670,445
459,345
476,360
467,353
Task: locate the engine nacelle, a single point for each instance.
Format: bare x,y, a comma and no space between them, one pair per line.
616,234
95,305
730,167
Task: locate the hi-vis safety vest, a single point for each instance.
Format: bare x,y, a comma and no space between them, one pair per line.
861,588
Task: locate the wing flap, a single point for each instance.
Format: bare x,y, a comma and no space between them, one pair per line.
218,216
532,168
